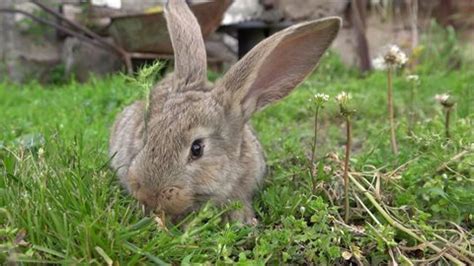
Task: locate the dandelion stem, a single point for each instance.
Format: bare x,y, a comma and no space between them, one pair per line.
315,138
393,140
411,116
346,168
446,124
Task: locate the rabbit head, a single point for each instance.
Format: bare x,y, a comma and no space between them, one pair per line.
196,145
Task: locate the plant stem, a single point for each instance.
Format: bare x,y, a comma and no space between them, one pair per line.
411,116
393,140
452,245
399,226
346,169
315,138
446,124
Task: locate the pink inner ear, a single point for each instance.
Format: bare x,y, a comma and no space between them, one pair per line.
289,63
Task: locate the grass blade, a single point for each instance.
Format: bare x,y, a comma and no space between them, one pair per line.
104,255
49,251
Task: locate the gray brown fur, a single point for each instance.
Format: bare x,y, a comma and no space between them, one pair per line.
156,168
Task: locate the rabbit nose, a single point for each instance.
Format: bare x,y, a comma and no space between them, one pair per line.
169,193
174,200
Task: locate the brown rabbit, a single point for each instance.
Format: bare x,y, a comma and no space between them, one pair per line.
193,143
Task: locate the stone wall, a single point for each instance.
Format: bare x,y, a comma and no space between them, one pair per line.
29,51
6,32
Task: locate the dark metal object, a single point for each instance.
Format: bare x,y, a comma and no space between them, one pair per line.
250,33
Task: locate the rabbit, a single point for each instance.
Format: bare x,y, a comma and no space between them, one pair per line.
192,143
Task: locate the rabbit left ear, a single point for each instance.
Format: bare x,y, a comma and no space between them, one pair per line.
272,69
190,65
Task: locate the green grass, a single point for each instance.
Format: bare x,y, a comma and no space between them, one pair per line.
60,203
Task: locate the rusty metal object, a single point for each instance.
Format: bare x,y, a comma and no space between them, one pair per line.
147,33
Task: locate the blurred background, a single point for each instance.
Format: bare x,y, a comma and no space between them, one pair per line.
53,41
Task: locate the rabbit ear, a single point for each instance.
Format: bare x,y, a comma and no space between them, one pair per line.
272,69
190,63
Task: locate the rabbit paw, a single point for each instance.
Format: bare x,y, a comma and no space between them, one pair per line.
244,216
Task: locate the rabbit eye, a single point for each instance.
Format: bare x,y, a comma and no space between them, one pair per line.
197,149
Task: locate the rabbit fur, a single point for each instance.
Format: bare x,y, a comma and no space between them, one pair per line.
150,146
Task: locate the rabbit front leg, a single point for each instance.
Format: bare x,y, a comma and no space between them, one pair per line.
244,215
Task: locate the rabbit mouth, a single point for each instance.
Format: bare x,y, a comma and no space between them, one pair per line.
173,200
198,200
202,197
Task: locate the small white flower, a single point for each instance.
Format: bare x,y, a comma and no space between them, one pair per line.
302,209
393,57
320,99
343,97
413,78
445,100
442,98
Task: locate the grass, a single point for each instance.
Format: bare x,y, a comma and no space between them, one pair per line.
61,204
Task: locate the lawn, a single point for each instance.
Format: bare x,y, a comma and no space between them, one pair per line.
60,203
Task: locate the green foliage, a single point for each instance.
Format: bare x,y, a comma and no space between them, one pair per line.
30,27
443,50
60,203
57,75
145,79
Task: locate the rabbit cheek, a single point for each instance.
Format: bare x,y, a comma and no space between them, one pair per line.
174,200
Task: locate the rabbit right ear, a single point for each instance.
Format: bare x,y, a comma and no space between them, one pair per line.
277,65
